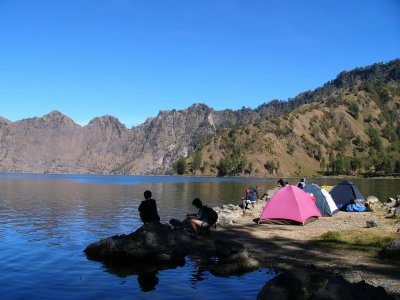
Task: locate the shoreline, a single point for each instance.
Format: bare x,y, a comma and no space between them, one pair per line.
285,247
210,176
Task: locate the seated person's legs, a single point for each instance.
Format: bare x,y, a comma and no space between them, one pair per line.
195,223
204,228
244,203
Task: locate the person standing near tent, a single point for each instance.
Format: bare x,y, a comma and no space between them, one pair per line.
280,183
302,183
148,209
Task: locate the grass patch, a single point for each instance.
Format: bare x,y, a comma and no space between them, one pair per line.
373,238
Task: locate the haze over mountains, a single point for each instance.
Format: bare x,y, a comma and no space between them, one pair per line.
297,135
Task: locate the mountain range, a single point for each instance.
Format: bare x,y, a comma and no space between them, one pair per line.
305,135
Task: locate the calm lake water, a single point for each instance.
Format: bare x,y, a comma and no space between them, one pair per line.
46,221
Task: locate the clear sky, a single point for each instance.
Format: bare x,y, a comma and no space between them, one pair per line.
131,58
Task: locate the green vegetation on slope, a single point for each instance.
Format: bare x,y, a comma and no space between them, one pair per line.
350,126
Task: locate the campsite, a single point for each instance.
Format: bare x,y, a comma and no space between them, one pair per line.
341,242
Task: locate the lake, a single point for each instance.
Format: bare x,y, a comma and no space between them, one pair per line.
46,221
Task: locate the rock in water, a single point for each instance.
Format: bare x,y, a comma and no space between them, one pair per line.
303,283
153,242
233,258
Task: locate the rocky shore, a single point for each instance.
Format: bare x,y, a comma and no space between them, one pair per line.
242,245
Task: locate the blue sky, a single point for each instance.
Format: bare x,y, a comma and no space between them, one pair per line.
131,59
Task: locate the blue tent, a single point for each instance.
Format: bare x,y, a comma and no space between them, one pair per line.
345,192
322,202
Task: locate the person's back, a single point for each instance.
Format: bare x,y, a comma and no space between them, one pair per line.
148,209
254,190
250,196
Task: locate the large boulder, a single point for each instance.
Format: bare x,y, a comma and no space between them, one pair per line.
153,242
311,284
233,259
396,212
372,199
392,250
228,214
391,202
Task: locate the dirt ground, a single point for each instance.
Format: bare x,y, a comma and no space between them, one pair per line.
282,247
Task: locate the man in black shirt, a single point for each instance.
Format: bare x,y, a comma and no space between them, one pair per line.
148,209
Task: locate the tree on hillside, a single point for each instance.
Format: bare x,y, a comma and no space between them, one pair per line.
271,166
354,110
355,165
231,165
196,162
375,140
180,166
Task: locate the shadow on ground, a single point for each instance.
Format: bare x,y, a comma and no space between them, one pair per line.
358,263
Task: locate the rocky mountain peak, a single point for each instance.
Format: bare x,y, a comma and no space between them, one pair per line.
56,117
107,121
4,121
198,106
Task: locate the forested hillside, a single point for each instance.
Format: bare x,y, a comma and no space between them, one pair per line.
349,126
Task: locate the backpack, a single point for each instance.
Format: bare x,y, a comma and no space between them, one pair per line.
211,215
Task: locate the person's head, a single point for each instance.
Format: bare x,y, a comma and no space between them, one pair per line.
280,182
303,180
197,203
147,194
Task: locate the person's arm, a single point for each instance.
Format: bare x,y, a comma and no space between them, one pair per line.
191,216
140,208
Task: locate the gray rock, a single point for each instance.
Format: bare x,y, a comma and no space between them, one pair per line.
396,212
240,266
352,276
226,248
233,258
391,202
153,242
372,199
372,223
392,250
224,218
314,284
228,216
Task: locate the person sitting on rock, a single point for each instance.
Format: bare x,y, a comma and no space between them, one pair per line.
198,220
249,198
148,209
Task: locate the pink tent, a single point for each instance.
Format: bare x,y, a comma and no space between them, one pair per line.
290,203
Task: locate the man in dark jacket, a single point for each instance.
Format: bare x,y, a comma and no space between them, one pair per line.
148,209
